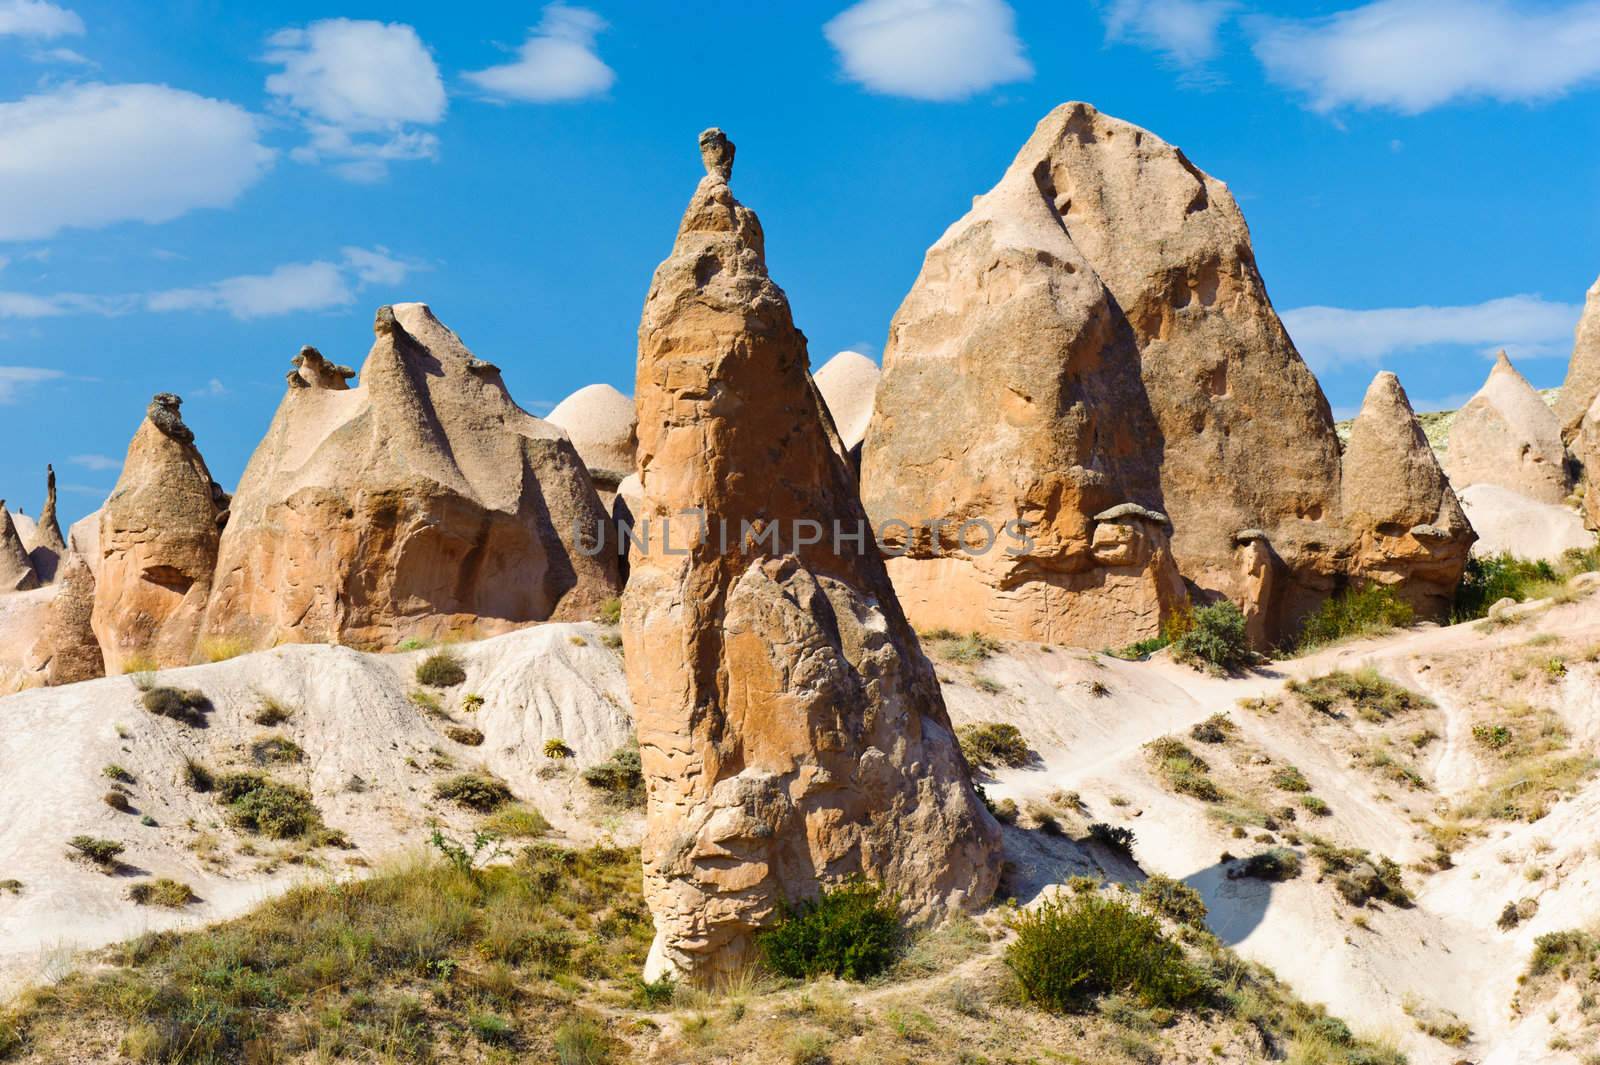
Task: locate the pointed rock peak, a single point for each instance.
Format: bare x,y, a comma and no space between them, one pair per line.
716,151
16,571
1386,395
49,525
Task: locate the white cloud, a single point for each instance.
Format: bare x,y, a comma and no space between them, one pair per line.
1186,30
290,288
35,18
90,155
1526,326
556,62
56,305
96,462
62,55
929,49
1413,55
14,378
360,88
212,389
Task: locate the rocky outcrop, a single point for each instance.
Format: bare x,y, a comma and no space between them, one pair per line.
423,502
66,650
1095,331
792,732
1508,522
1507,435
599,421
1587,449
16,571
157,544
849,385
44,542
1410,532
1582,386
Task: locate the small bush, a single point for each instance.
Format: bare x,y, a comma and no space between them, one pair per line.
117,801
516,822
1491,737
1290,778
1217,728
610,612
1116,838
1373,698
180,704
197,776
1486,581
491,1029
1183,771
475,791
1316,806
467,737
275,750
621,775
1275,864
471,702
442,669
970,649
1144,648
102,852
1359,876
993,743
428,703
270,712
258,803
162,892
851,931
1069,951
557,749
581,1042
1559,950
1217,643
117,773
1174,900
1369,610
11,886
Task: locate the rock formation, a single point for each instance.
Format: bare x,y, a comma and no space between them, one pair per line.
157,544
422,502
600,422
67,650
1095,331
1507,435
849,384
1587,449
16,571
1582,385
311,370
1508,522
44,543
791,731
1410,532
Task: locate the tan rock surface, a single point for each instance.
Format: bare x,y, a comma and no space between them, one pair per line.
1411,533
422,502
1094,332
16,570
849,385
1507,435
1582,385
158,545
790,728
45,543
1508,522
1587,449
600,422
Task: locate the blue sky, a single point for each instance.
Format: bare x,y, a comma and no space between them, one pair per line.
191,190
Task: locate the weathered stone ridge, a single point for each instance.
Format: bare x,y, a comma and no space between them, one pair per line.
1507,435
1582,385
791,731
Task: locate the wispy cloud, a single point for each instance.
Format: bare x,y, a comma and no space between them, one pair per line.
1526,326
61,304
35,18
557,62
929,49
1186,31
13,379
96,462
361,89
1414,55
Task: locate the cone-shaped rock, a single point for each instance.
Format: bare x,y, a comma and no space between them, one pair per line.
422,502
791,731
600,422
849,385
1587,449
1507,435
1582,385
16,571
46,545
158,545
1409,527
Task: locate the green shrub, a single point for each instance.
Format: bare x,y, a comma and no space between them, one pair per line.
1275,864
557,748
610,612
851,931
102,852
1174,900
1316,806
117,801
1115,838
197,776
1359,876
514,822
1069,951
1559,950
476,791
1367,610
269,712
1217,728
1492,737
467,737
969,649
162,892
442,669
1289,778
117,773
582,1042
993,743
621,776
1142,649
1183,771
275,750
1217,643
1486,581
1373,698
471,702
179,704
257,803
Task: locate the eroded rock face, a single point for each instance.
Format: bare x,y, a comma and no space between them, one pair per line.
1507,435
599,420
1587,448
1582,386
16,571
1410,531
1095,332
46,546
423,502
157,544
849,385
790,728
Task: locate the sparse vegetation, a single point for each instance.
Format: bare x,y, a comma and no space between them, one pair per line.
1315,806
259,804
993,743
270,713
11,886
610,612
1274,864
1289,778
1181,769
467,737
197,776
516,822
1373,698
1563,952
180,704
555,748
275,750
170,894
1218,728
1217,643
101,852
442,669
475,791
117,800
1367,610
222,648
1071,950
967,650
1113,837
621,776
1359,876
1489,580
1174,900
851,931
117,773
471,703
